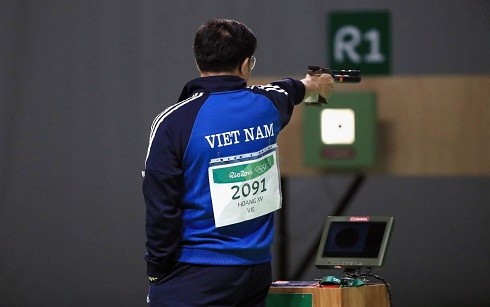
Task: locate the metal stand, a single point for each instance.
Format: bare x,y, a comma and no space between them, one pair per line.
282,246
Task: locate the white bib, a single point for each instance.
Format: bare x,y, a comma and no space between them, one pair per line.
245,187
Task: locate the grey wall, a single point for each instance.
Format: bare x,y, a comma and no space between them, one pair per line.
80,83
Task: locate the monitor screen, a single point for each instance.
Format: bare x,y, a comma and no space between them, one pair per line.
354,241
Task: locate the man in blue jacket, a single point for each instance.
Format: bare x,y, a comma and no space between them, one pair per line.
212,178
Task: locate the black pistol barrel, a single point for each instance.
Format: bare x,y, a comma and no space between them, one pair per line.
339,75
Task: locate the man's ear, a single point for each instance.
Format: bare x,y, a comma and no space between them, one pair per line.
197,66
244,65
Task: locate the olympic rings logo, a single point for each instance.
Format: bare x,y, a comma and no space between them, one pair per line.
261,168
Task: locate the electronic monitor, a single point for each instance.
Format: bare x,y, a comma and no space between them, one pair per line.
350,242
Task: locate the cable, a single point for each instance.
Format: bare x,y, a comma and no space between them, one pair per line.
386,284
356,273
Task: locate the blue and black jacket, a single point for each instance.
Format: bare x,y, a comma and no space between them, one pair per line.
184,138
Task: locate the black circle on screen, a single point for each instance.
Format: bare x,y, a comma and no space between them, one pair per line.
347,237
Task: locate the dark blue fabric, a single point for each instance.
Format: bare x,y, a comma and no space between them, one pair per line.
196,285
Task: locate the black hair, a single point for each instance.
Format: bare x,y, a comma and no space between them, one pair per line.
222,45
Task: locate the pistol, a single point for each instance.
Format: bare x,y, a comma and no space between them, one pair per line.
338,75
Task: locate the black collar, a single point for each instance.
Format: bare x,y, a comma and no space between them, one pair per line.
210,84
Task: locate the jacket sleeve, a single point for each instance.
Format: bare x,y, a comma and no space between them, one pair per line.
294,87
295,90
162,190
163,218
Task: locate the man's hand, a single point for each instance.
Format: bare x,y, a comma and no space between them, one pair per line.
318,84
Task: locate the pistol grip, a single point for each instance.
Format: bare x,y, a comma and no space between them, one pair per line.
315,99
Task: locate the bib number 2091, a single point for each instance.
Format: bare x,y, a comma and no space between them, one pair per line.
246,189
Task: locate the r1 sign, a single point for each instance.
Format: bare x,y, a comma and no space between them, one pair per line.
360,40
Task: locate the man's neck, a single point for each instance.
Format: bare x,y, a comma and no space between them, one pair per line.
224,73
